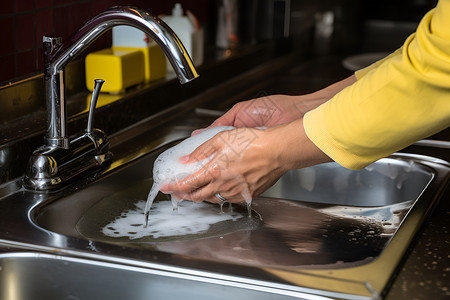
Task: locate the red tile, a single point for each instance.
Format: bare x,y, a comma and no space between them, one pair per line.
26,63
101,5
44,24
24,5
7,33
7,7
8,68
68,19
60,2
43,3
40,59
25,32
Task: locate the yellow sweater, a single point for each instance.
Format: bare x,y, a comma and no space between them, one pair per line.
395,102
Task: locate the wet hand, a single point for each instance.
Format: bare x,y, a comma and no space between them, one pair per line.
245,162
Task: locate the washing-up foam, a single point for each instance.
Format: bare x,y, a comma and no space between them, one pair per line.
191,219
167,167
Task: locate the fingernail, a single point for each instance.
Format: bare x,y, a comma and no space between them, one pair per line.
183,159
197,131
164,189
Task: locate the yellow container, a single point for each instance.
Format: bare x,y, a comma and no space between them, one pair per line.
154,61
120,68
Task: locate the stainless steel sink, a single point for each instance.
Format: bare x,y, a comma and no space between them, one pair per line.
320,217
325,230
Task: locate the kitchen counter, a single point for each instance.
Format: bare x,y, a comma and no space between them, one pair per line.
426,269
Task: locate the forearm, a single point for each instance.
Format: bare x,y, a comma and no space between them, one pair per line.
291,148
309,102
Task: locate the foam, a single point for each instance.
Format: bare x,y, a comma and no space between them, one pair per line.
190,219
167,167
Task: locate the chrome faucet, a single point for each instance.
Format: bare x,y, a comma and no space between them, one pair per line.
58,161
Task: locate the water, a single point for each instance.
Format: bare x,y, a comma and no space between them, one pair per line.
190,219
167,167
120,219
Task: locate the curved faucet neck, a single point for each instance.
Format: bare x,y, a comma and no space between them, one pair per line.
58,54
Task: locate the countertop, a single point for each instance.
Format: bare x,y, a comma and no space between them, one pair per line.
426,269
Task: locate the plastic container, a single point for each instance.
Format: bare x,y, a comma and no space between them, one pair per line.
188,31
181,25
120,68
130,38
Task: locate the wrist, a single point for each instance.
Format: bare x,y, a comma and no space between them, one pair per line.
292,149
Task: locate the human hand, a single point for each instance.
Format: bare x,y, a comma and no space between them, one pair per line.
266,111
245,162
272,110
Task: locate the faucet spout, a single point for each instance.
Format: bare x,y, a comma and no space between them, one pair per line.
58,54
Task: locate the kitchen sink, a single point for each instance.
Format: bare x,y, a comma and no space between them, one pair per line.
312,218
323,230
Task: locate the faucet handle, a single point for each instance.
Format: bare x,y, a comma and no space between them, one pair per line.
93,104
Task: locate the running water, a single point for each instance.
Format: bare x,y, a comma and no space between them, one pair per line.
167,167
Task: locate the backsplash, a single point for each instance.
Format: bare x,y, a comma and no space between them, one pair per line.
24,22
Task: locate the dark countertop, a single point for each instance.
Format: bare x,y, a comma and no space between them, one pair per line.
425,273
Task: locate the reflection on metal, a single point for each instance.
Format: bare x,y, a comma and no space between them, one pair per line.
65,278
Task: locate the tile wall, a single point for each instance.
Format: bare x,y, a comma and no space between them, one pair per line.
24,22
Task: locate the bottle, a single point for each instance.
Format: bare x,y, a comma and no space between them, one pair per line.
183,28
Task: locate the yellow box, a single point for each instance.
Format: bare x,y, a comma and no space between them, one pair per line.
120,68
154,61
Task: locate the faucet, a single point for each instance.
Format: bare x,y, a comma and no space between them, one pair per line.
62,160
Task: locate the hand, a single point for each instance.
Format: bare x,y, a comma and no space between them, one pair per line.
245,162
275,110
265,111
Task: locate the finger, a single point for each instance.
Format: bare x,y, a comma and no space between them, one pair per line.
227,119
197,131
195,181
205,150
234,192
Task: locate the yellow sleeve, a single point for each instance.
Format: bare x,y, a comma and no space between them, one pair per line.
402,100
362,72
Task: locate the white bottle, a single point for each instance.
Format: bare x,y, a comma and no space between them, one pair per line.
182,26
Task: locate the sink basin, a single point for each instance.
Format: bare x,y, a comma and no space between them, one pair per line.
388,181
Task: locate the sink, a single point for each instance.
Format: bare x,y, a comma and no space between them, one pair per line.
319,216
326,230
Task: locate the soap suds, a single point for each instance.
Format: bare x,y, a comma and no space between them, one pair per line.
167,167
190,219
